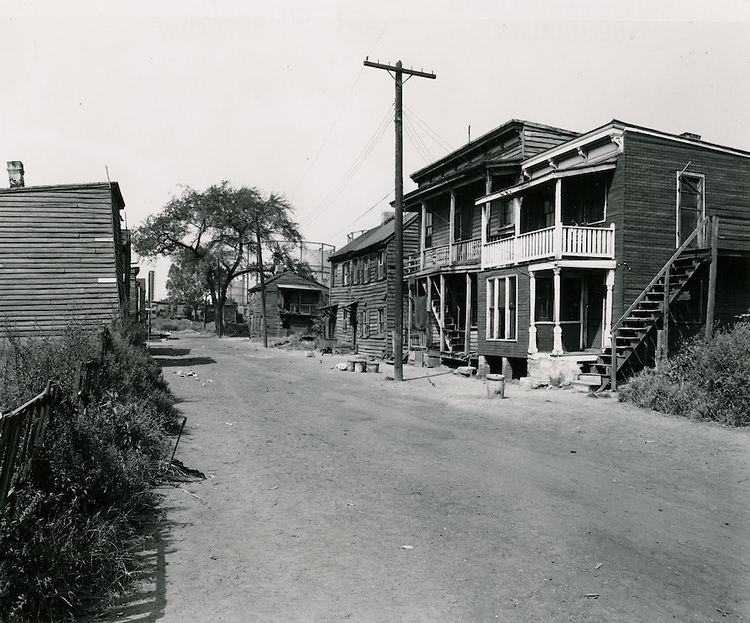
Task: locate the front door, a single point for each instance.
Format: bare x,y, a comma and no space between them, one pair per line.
595,292
690,207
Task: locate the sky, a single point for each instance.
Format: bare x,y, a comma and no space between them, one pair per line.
160,95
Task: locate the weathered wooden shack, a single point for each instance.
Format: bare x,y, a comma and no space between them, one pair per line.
292,305
63,257
361,314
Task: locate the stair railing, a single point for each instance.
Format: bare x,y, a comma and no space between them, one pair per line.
615,326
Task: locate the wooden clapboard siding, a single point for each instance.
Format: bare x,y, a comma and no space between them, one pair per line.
60,257
274,303
374,292
538,138
647,237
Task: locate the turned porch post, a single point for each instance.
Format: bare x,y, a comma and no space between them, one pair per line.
532,313
557,348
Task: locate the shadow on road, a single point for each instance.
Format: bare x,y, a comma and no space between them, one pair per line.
168,362
147,603
168,350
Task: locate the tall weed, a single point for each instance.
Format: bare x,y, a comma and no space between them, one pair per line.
705,380
67,537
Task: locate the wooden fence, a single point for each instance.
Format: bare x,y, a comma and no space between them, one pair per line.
22,430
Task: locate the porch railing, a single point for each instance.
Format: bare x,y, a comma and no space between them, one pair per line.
575,241
299,308
458,253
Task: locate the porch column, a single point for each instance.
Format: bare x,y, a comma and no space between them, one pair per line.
532,313
467,318
442,311
557,348
423,231
607,334
452,225
516,229
558,233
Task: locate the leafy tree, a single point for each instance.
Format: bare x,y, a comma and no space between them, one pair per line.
218,229
186,283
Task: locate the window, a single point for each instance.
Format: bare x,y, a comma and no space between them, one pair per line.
366,269
355,271
501,308
427,230
544,299
501,221
538,208
363,326
381,321
346,275
584,200
381,264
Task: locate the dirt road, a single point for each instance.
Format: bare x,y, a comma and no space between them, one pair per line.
339,496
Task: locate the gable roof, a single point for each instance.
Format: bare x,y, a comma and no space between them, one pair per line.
292,281
371,238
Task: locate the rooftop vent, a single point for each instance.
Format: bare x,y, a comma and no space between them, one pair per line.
691,136
15,173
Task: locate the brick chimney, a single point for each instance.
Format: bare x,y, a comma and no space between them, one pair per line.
15,173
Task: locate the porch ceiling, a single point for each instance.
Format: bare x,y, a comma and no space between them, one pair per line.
605,164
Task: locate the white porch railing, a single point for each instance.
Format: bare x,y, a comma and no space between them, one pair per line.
581,242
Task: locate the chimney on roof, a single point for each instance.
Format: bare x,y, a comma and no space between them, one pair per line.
15,173
691,136
387,215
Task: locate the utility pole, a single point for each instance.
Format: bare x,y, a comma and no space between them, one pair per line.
398,72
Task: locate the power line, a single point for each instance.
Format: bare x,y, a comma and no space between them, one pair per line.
365,213
356,165
330,132
430,132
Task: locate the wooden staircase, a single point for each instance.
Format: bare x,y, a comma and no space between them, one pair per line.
635,336
453,336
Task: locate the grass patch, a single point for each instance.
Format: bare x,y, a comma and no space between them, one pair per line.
705,380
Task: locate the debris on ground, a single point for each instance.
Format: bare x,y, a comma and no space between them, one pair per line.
178,472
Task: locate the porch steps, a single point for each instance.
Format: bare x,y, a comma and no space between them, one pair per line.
634,330
587,382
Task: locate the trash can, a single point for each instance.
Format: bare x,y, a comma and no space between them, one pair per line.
495,386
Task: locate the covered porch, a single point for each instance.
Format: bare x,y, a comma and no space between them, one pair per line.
570,307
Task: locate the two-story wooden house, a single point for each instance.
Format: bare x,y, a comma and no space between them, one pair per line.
63,256
623,236
361,315
442,274
292,304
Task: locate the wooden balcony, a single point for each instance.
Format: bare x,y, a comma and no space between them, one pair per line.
462,253
299,309
551,243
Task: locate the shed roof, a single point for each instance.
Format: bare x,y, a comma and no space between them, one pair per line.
289,280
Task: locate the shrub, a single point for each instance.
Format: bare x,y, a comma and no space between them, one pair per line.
68,534
705,380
